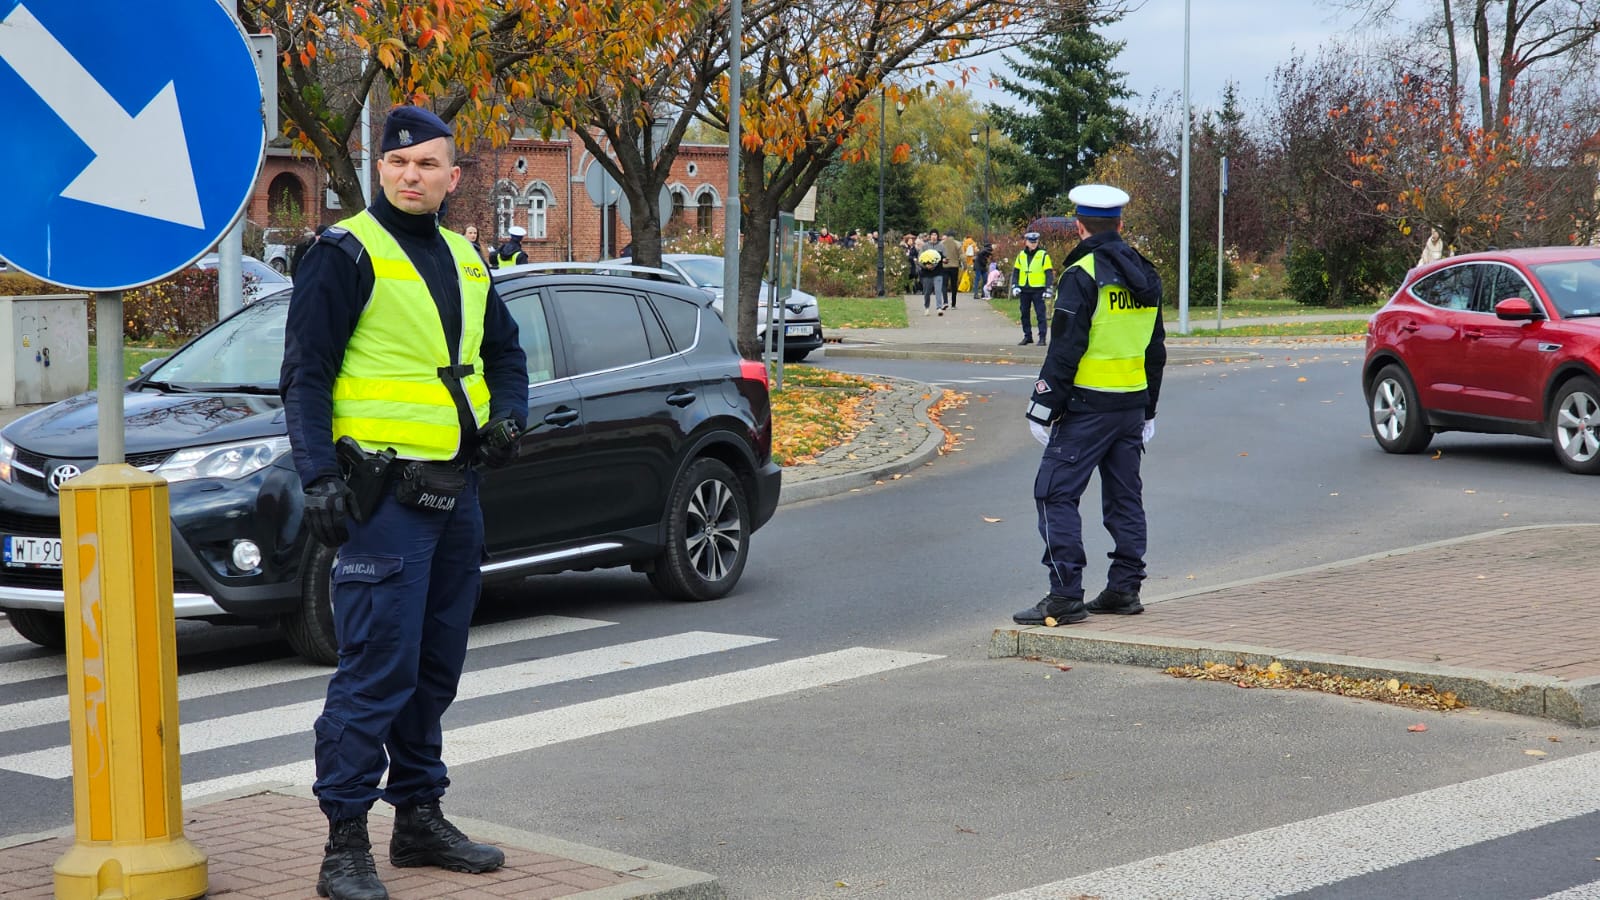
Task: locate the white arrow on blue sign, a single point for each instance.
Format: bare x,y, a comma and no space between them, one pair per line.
133,138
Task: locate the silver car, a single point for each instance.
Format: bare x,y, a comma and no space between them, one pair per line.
802,332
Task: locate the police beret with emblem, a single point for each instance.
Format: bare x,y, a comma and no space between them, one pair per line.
1098,200
408,126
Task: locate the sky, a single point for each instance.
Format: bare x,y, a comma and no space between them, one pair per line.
1238,40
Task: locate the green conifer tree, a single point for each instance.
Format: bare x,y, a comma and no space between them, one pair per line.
1066,116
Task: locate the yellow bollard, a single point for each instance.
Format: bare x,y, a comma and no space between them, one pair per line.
122,683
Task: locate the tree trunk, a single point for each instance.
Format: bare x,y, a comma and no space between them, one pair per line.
1509,69
760,208
1480,43
1455,60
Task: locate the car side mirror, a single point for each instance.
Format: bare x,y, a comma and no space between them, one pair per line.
151,364
1516,309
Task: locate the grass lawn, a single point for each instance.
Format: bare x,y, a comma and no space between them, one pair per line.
816,409
132,359
1239,309
1293,329
862,312
1244,309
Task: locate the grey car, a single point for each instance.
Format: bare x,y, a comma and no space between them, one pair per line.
802,320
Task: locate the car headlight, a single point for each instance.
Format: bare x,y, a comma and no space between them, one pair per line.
8,452
223,461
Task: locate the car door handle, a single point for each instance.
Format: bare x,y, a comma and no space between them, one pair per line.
681,398
1472,335
561,417
1410,327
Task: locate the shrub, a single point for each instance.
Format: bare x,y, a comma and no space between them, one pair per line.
173,310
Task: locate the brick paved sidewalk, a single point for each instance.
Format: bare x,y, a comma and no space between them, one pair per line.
269,845
1510,620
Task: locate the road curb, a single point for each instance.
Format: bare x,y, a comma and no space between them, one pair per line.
1540,696
829,485
1575,702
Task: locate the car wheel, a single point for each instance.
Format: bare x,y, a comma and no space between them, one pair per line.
794,356
279,264
47,629
309,629
1574,422
708,534
1398,420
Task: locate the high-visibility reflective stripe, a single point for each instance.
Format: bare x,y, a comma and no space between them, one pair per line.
1118,335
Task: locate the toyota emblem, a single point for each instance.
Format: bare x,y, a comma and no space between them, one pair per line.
61,475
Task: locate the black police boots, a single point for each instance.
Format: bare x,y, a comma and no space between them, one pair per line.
1117,603
348,872
424,837
1053,610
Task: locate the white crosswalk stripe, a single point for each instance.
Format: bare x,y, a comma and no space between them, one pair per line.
983,379
297,718
1582,892
1329,849
46,710
516,734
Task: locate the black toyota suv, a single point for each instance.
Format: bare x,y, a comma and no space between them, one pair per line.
648,445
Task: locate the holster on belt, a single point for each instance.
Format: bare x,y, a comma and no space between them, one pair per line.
367,474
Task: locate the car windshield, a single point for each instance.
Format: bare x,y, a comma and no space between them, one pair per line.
243,352
1573,286
703,272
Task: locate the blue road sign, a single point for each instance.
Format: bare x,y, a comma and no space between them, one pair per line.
133,137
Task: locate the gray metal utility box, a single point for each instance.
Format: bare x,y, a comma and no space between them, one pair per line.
44,348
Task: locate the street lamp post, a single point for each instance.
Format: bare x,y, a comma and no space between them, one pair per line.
974,136
883,112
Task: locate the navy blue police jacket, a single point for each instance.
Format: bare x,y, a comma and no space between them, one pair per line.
1077,296
331,290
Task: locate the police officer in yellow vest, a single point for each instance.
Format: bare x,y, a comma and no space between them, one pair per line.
1094,408
1032,276
398,348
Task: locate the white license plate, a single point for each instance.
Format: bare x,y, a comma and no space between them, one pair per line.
797,331
33,552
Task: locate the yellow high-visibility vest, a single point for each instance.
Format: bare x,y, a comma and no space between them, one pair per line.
1030,272
1118,335
389,392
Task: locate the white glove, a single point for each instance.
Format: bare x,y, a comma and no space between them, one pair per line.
1041,433
1016,291
1148,432
1049,295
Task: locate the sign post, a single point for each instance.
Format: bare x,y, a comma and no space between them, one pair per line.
157,142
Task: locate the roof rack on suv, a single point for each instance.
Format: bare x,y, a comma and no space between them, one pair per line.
582,268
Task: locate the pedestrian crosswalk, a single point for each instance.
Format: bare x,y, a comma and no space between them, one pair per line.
1367,849
985,379
34,738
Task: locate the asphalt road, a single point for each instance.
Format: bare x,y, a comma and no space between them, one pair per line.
749,738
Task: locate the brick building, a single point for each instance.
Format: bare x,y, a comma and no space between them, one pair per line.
530,182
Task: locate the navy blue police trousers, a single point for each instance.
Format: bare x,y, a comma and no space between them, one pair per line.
1080,444
1032,301
404,590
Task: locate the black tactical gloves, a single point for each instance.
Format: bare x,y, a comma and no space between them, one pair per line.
328,504
497,442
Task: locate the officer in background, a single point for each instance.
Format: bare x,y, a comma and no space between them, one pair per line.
398,349
510,253
1031,276
1094,407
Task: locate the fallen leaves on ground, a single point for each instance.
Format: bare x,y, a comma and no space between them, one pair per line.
817,409
1279,676
948,401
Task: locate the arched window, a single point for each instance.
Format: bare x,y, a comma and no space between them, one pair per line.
538,198
505,208
680,202
706,203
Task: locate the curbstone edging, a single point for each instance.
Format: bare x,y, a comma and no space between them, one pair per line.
829,485
1540,696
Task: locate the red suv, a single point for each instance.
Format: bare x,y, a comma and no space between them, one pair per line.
1502,342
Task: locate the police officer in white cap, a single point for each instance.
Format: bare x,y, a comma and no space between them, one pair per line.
1094,407
510,253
